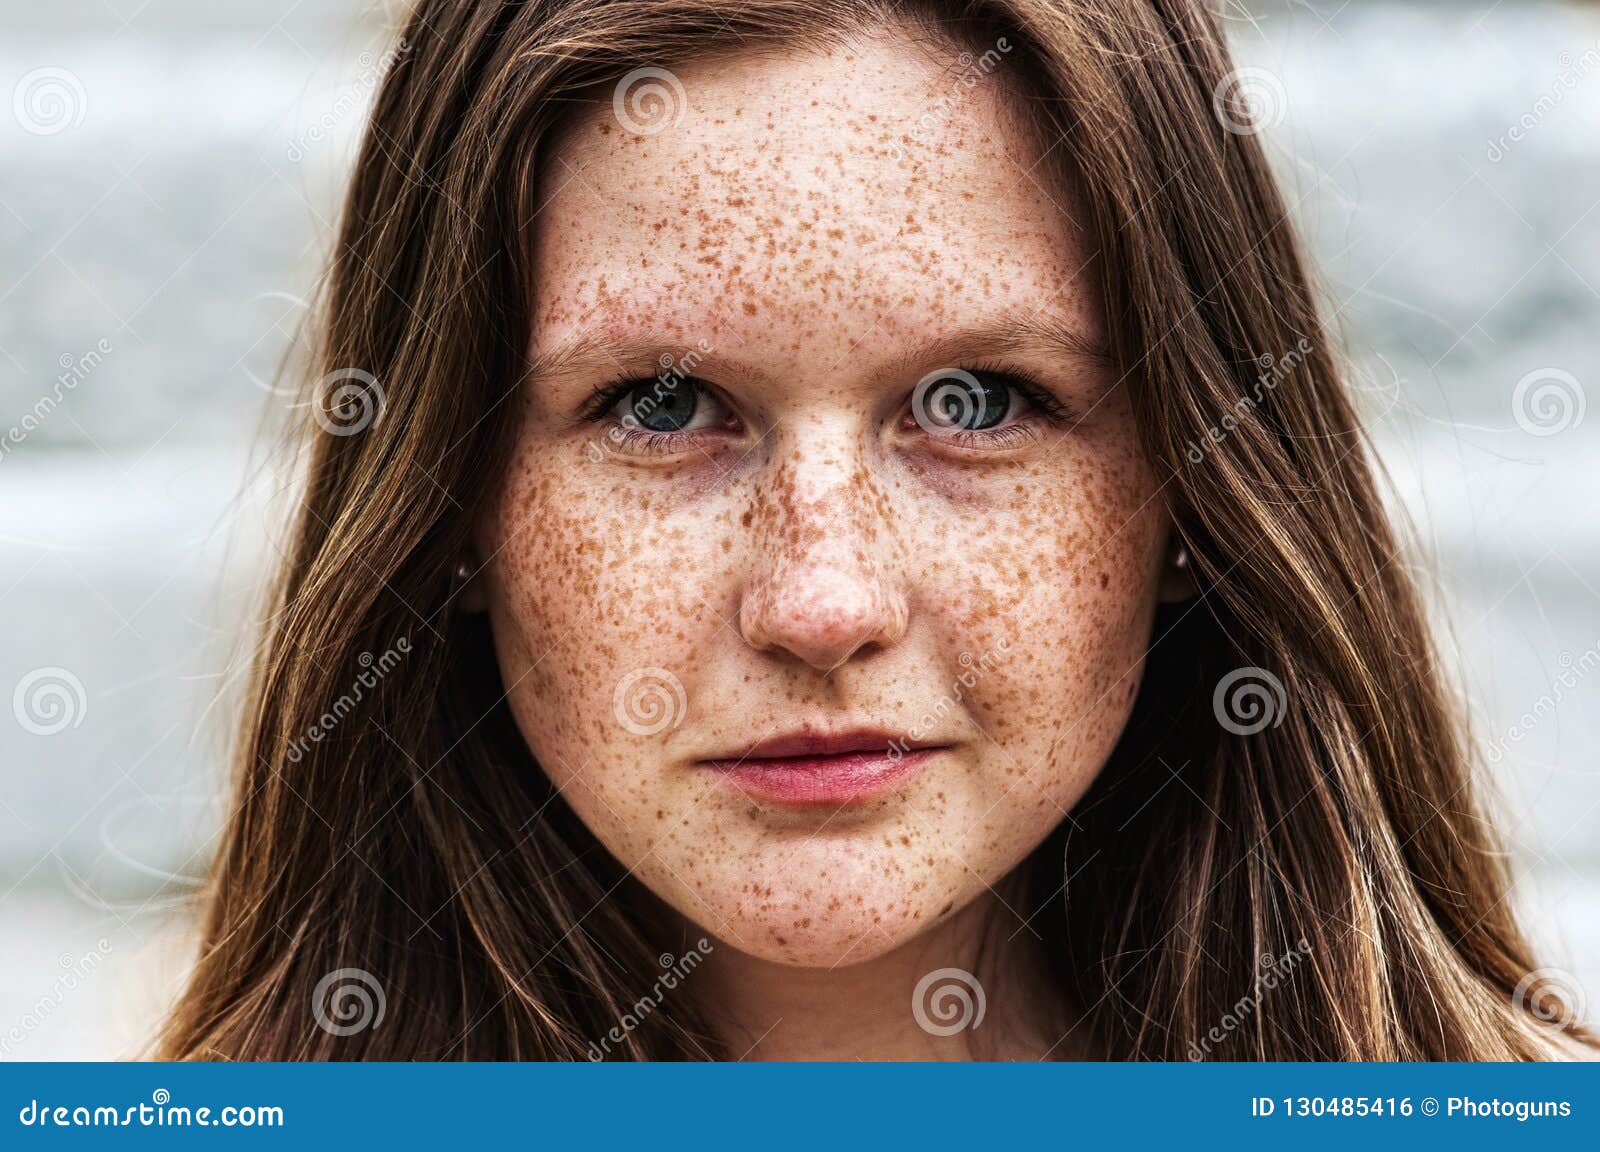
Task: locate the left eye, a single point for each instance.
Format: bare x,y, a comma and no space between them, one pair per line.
955,400
675,405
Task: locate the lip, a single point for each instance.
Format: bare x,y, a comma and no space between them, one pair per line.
814,768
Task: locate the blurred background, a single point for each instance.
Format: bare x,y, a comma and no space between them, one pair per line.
169,172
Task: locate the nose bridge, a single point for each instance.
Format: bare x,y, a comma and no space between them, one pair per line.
817,495
823,582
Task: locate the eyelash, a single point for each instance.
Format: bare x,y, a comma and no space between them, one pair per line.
604,397
1011,435
645,441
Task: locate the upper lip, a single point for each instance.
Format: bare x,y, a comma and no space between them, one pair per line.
812,742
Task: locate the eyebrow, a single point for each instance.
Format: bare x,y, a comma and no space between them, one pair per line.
590,347
1035,333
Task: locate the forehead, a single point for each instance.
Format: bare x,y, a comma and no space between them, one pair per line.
806,201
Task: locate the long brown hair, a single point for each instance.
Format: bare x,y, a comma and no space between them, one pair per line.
1312,878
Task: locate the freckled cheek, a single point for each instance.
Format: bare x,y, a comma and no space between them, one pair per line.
593,584
1055,594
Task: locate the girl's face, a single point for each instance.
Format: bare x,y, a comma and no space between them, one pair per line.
824,621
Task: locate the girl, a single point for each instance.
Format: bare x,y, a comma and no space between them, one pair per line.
833,529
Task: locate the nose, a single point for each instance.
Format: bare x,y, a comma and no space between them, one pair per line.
823,586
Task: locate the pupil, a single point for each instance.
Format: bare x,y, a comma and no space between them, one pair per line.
970,409
665,407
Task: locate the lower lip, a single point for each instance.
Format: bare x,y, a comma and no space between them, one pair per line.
847,778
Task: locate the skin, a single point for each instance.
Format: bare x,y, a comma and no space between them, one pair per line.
817,558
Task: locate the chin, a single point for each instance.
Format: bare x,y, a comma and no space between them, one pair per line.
831,906
827,942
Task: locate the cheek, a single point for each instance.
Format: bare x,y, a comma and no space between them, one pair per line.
601,609
1043,604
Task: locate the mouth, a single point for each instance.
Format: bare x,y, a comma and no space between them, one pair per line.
810,768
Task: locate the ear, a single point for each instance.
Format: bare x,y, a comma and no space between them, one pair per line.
1177,582
467,579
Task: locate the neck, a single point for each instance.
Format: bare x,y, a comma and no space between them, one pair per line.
866,1010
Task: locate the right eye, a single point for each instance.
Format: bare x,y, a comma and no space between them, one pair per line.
680,404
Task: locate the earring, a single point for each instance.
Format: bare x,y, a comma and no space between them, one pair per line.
1181,560
463,572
